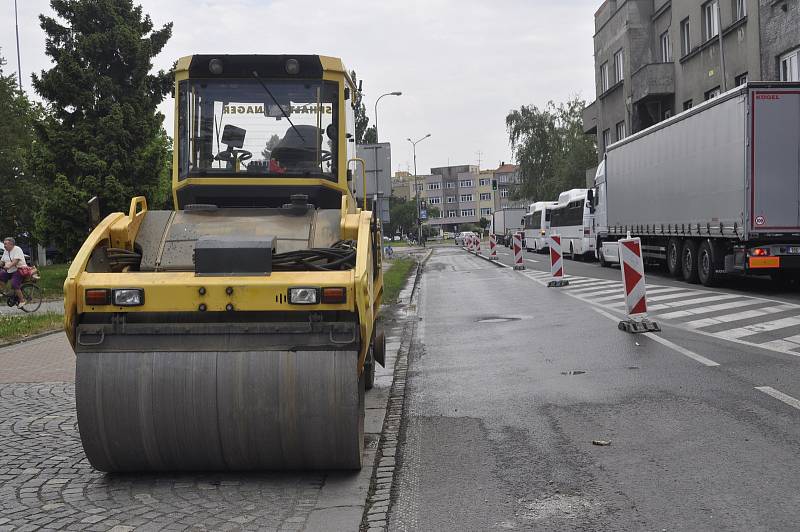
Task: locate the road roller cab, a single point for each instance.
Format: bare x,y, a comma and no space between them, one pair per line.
239,330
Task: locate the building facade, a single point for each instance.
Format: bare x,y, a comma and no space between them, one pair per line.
656,58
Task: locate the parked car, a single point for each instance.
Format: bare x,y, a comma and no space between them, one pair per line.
460,237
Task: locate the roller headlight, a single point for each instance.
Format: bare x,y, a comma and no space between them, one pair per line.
128,297
304,296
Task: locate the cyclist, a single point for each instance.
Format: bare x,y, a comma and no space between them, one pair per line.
13,259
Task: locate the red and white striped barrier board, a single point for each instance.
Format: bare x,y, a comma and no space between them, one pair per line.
493,246
468,242
478,245
632,267
556,262
517,242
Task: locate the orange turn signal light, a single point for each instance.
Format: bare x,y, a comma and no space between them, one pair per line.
98,296
334,295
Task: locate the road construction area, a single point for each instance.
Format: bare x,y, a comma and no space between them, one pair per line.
523,407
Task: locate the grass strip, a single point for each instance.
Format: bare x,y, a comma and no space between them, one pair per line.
395,278
52,280
19,326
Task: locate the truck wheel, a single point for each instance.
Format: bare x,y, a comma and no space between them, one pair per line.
706,269
674,257
689,261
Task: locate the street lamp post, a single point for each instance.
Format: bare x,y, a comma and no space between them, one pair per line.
19,63
416,185
377,140
395,93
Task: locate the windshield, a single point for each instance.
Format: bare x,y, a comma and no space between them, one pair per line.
257,128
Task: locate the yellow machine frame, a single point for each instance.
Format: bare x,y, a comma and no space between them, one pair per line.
178,291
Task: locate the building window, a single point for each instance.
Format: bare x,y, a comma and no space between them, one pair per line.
434,186
486,196
667,113
466,197
710,19
467,212
606,138
713,93
504,193
741,79
739,8
450,184
419,188
666,48
465,183
484,182
790,64
451,199
451,213
486,212
621,130
687,105
686,41
435,201
619,70
503,179
604,77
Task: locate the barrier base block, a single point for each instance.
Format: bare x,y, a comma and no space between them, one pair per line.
556,283
492,258
519,267
635,326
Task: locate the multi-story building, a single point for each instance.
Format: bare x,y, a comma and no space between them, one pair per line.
507,176
655,58
403,185
485,194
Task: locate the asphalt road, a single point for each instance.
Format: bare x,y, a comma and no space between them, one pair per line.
510,383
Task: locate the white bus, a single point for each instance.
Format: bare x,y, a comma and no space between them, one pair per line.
537,225
573,219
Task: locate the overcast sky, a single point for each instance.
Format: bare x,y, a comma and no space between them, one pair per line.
462,65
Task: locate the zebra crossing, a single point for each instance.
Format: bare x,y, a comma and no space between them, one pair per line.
744,319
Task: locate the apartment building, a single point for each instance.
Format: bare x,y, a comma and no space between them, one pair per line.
655,58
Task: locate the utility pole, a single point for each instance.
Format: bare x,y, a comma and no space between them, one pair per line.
416,186
479,160
19,62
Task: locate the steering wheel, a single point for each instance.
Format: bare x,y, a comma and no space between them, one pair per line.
231,155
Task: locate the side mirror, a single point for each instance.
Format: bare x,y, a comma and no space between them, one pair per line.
590,196
94,210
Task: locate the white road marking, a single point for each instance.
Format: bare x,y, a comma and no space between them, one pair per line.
780,396
694,301
676,295
663,341
531,260
744,315
601,285
759,328
705,310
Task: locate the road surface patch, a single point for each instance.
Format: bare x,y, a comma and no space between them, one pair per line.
780,396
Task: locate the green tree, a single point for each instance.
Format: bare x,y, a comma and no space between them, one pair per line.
403,215
371,135
484,223
551,149
20,191
361,118
103,135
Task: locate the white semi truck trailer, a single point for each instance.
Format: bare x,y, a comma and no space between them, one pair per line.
714,190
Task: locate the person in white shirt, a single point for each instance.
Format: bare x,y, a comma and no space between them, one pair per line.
13,259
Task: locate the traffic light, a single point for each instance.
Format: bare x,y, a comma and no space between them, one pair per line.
494,184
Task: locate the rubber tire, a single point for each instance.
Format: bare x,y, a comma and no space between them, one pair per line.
33,297
674,249
689,261
706,270
369,369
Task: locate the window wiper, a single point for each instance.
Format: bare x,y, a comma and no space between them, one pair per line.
283,111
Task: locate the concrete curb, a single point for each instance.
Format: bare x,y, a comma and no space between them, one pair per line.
376,510
487,259
30,338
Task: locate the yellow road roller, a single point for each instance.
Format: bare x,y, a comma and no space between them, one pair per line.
240,330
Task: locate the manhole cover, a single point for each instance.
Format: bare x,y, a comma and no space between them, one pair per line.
496,319
573,372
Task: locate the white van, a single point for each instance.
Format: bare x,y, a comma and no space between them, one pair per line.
573,219
537,225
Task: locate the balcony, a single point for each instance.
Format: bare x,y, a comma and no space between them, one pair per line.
653,80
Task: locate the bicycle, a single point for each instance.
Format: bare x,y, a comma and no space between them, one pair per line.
30,289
